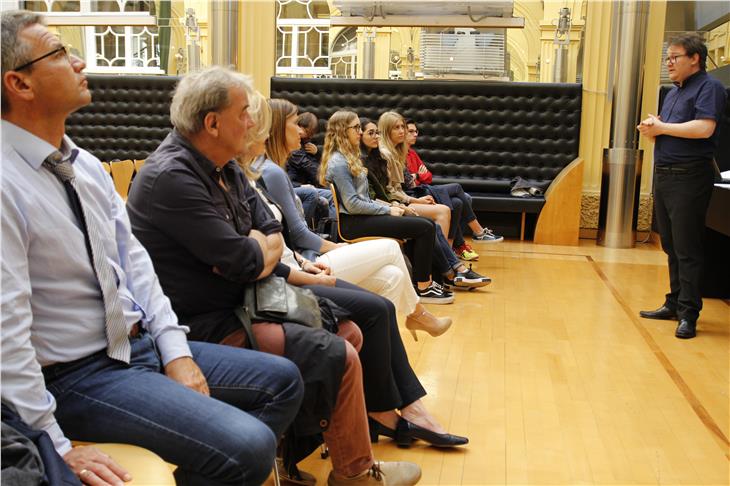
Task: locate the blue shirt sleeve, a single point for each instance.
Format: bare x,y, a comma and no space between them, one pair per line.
710,102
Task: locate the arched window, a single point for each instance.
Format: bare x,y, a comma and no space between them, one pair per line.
343,54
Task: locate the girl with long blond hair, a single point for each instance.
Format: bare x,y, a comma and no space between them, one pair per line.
389,380
393,148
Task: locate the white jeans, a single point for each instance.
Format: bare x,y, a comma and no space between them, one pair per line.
378,266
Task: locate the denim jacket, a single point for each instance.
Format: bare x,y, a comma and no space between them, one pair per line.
352,191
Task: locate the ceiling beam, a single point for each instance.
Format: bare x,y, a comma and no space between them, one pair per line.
428,21
99,18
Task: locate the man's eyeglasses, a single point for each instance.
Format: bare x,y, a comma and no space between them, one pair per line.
673,59
49,54
357,127
413,131
372,133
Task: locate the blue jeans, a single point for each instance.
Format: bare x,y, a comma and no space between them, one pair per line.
314,199
327,195
224,440
462,213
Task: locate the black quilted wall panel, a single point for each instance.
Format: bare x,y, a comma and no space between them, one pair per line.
482,134
128,117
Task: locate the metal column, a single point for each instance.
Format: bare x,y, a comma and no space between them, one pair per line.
622,160
368,53
224,32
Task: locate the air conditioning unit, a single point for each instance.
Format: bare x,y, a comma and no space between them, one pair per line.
463,51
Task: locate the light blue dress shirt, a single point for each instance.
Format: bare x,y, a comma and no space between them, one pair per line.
52,309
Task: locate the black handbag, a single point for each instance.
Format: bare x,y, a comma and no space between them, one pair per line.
272,299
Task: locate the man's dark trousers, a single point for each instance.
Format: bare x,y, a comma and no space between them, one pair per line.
681,196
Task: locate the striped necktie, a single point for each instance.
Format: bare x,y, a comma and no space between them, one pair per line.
118,346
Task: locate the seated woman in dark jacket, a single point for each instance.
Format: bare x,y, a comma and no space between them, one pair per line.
302,168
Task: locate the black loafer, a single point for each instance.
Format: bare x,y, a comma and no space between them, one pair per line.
663,312
406,432
686,329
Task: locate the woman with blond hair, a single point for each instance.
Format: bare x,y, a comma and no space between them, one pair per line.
389,381
393,150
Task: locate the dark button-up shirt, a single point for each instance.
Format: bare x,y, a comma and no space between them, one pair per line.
701,97
190,226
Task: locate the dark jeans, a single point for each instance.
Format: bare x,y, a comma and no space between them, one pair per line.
463,211
388,379
229,439
681,197
421,231
450,257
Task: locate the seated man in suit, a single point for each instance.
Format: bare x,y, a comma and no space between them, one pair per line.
91,349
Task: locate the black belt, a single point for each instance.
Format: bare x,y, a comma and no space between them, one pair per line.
679,168
53,371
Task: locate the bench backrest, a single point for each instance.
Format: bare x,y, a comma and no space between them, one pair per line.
128,117
482,134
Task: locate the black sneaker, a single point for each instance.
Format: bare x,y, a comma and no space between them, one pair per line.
470,279
434,294
444,288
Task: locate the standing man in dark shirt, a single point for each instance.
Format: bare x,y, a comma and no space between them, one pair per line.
686,137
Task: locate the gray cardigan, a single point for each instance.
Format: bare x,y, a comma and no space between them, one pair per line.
281,190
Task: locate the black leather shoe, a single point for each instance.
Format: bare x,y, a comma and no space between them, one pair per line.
663,312
377,429
686,329
406,432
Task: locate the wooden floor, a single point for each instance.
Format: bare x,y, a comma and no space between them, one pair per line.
556,380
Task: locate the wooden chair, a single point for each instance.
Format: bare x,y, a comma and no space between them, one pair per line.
122,172
339,231
138,164
145,466
107,167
